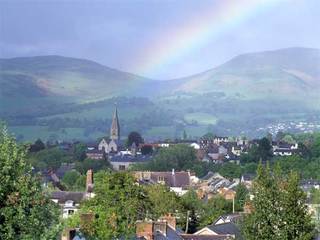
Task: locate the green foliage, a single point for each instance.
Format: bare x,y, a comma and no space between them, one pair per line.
178,157
162,201
94,164
193,209
279,208
37,146
230,170
74,181
50,158
25,212
117,205
79,152
241,196
146,149
134,137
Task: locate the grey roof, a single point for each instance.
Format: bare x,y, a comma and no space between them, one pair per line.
234,218
130,158
63,196
171,234
94,151
205,237
177,179
225,229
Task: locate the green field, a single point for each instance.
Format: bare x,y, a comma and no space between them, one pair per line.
31,133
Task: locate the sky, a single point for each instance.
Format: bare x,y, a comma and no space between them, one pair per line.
160,39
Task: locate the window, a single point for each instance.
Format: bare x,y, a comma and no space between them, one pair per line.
122,167
70,212
160,178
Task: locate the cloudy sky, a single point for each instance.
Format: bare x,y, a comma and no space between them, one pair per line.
161,39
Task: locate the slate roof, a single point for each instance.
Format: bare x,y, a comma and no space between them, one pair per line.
171,234
225,229
63,196
234,218
94,151
205,237
130,158
177,179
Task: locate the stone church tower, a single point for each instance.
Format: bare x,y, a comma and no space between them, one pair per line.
115,126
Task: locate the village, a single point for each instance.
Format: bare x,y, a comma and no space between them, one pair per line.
215,150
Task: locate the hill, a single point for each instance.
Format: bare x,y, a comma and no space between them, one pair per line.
281,74
74,98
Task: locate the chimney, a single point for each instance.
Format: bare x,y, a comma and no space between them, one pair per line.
172,171
145,230
89,181
171,220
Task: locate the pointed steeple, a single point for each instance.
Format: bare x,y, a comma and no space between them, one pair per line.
115,126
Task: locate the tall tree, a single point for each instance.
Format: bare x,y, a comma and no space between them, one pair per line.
279,210
37,146
117,205
25,211
134,137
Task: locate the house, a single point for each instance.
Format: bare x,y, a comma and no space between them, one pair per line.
284,149
227,229
234,218
95,154
247,179
227,194
195,145
178,182
163,229
69,202
123,160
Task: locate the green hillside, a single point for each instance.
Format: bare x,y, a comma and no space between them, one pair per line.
66,98
282,74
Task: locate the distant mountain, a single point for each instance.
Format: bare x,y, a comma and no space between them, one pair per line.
287,74
39,95
281,74
65,77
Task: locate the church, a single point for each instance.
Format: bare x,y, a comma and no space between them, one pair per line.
113,144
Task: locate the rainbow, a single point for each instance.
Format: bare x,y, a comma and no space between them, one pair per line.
205,26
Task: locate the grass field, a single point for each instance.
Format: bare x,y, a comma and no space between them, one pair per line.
31,133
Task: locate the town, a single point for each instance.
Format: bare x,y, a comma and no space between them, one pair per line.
216,173
159,120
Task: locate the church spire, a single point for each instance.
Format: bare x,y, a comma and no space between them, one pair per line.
115,126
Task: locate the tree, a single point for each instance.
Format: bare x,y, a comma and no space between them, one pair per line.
280,135
25,211
288,139
279,210
118,203
37,146
162,200
264,149
70,179
241,196
178,157
215,207
193,209
184,136
146,149
94,164
134,137
79,152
